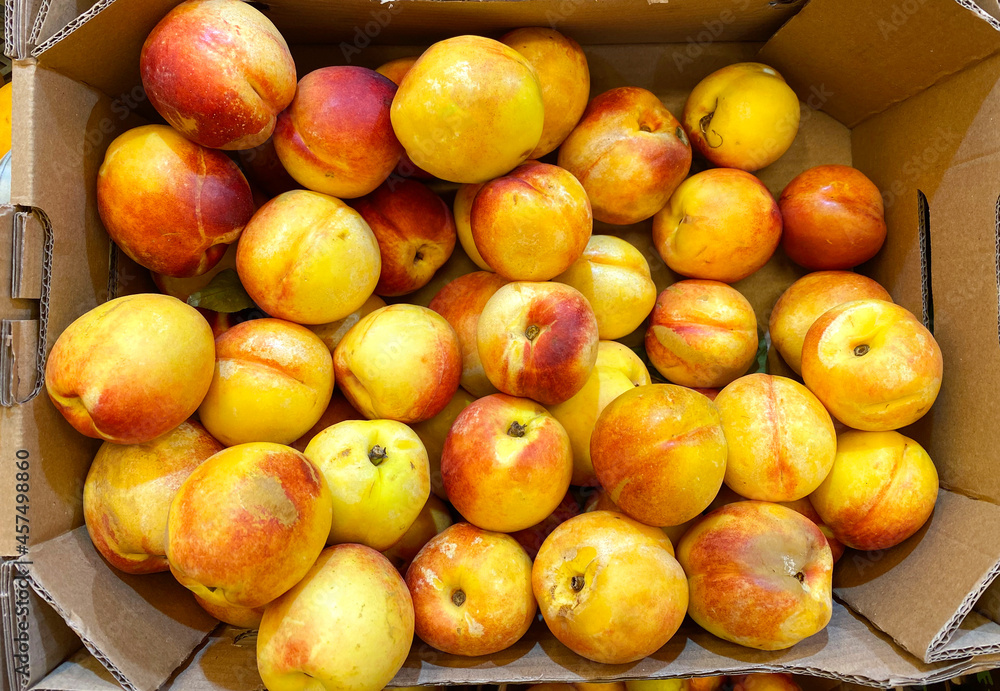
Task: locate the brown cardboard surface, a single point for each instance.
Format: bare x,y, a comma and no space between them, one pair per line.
141,627
19,16
37,637
942,142
73,272
864,56
117,29
952,557
848,651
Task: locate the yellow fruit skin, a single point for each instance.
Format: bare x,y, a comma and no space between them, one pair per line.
469,110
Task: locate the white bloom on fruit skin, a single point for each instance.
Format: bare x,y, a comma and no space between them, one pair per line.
448,549
475,628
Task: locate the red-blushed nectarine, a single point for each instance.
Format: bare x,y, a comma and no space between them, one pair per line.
538,340
348,624
532,223
721,224
760,575
702,334
881,490
336,137
873,365
660,452
132,368
471,591
128,492
401,362
506,463
609,588
171,205
461,302
247,524
219,72
629,152
415,232
833,217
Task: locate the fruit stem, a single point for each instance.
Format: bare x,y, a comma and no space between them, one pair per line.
862,349
576,583
516,429
458,598
531,332
800,577
377,454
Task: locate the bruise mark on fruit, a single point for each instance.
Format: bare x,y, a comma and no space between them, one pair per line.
263,497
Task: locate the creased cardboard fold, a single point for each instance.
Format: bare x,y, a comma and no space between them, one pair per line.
911,99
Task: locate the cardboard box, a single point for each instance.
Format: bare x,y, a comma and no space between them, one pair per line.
906,90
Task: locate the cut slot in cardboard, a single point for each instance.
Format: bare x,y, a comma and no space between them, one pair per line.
908,92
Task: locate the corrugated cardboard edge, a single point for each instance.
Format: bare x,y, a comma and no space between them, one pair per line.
811,27
37,639
940,650
10,356
82,19
175,625
36,29
980,12
78,628
218,662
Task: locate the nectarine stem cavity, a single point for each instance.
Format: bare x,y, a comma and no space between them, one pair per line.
576,583
861,349
377,454
531,332
458,598
516,429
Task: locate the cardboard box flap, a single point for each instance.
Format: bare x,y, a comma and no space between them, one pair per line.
37,637
942,143
890,587
19,17
849,651
869,55
156,625
965,239
117,29
66,249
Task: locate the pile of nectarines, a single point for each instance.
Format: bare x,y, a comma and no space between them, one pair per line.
343,472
